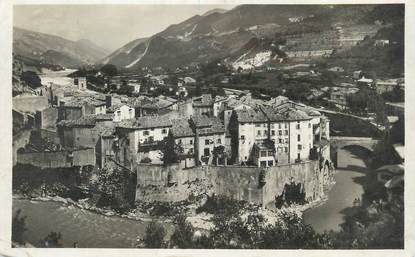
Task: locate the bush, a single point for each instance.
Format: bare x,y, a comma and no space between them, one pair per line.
18,227
154,235
182,236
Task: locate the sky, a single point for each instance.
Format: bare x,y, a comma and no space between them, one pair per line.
108,26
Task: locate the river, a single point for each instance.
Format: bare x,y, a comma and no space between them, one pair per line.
330,214
88,229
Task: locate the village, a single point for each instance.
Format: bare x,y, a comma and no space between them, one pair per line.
263,136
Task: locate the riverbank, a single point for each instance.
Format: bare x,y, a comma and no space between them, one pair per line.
201,221
83,204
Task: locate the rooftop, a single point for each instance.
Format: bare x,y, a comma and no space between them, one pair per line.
251,116
181,128
81,101
145,123
85,121
204,100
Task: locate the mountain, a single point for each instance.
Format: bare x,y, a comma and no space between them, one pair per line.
228,35
216,10
55,50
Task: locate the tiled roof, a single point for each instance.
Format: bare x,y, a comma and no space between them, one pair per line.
145,122
251,115
81,101
181,128
85,121
149,102
216,127
285,114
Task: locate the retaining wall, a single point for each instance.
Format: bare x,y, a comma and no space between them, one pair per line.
159,183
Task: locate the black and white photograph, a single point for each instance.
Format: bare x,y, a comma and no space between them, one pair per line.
208,126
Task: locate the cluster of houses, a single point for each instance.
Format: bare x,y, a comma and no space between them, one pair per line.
206,130
339,93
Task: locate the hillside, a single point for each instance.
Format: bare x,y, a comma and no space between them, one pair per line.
219,34
55,50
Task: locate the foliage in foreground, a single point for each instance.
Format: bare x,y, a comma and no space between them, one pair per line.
368,228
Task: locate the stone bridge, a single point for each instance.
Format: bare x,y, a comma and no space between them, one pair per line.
344,124
365,142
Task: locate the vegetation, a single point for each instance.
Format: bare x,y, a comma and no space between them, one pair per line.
18,227
170,150
154,235
31,79
182,236
112,184
367,101
109,70
53,240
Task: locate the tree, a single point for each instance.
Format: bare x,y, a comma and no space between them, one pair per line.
170,150
31,79
182,236
53,240
112,184
154,235
18,227
109,70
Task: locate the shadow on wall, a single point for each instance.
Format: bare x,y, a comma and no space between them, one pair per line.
293,193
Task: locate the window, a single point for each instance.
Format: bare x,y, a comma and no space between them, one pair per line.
298,156
263,153
285,125
298,137
273,132
265,133
146,132
279,125
280,140
299,147
242,137
219,141
206,151
263,164
191,141
180,142
280,132
286,132
270,153
270,163
286,149
298,125
257,125
164,131
207,141
258,133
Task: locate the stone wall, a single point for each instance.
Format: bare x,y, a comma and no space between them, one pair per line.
159,183
58,159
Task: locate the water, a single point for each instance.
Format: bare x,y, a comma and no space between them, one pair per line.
331,214
56,77
89,229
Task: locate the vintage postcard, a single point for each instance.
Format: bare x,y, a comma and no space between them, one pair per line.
209,126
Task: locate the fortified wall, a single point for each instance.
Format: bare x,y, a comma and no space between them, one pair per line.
253,184
58,159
